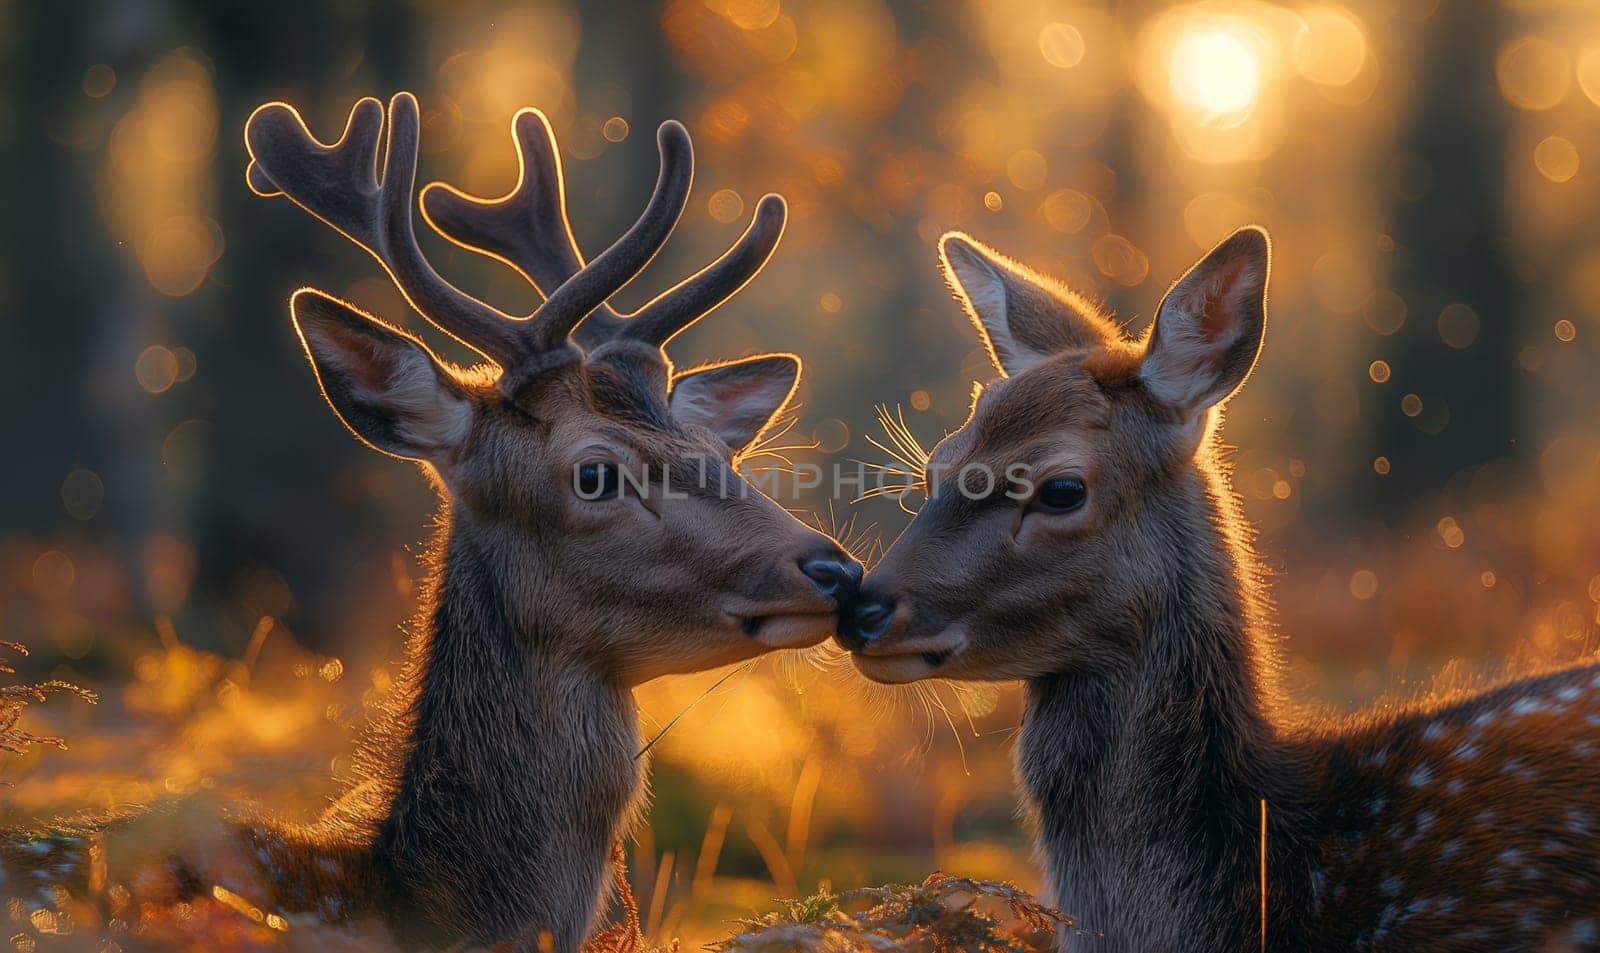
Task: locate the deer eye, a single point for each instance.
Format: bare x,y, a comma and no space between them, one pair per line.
1062,496
598,480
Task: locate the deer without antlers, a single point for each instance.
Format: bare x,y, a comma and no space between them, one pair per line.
1116,579
554,587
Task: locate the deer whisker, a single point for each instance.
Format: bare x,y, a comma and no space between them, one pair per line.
689,707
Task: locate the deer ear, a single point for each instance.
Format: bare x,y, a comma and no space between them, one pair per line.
384,384
1209,328
1023,317
737,400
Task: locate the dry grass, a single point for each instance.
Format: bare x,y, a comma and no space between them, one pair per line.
941,914
625,937
15,699
938,914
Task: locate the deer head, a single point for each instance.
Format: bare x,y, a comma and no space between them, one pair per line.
599,482
1051,510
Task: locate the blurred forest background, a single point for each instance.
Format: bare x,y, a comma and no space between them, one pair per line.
188,530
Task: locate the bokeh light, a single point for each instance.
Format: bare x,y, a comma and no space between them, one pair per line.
1556,158
1588,70
1458,325
1534,73
157,369
1385,311
1330,47
99,80
82,492
1061,45
725,205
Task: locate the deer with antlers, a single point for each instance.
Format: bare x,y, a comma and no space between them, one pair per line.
1080,535
558,580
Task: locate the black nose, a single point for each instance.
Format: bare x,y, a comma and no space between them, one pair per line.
865,622
838,576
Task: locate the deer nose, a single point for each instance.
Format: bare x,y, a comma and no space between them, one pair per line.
836,575
864,623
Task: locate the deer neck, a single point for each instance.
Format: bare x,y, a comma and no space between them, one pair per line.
519,768
1144,782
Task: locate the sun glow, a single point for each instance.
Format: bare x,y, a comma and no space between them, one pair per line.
1215,72
1218,72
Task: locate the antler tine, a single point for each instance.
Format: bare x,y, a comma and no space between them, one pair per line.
528,227
336,184
613,268
676,309
343,175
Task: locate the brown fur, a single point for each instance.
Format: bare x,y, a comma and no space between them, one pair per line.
1154,729
494,796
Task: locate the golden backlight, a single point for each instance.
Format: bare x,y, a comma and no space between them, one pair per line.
1215,73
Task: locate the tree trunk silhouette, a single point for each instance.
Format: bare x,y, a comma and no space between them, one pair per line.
56,278
271,500
1453,246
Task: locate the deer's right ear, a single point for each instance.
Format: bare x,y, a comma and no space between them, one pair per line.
1023,317
384,384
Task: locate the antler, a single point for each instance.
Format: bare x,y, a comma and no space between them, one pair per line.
528,229
338,184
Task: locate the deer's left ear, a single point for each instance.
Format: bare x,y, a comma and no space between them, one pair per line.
737,400
1210,325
